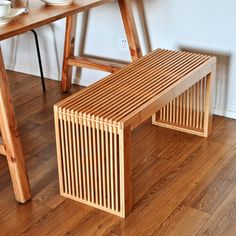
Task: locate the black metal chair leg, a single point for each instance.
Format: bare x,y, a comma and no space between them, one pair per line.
39,59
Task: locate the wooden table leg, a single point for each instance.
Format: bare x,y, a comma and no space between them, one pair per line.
71,23
130,29
11,139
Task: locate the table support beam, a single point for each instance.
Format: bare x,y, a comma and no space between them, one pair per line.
96,63
11,140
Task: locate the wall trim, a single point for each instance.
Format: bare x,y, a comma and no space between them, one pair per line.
48,75
225,113
33,71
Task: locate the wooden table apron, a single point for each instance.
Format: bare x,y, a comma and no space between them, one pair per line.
38,15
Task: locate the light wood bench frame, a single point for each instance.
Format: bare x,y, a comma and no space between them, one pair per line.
94,151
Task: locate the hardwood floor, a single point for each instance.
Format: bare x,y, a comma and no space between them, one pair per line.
183,184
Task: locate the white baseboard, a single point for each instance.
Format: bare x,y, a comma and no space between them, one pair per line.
33,71
48,75
86,82
225,113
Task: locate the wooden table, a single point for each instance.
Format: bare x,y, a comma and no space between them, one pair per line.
10,146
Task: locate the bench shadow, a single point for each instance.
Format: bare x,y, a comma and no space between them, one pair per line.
221,85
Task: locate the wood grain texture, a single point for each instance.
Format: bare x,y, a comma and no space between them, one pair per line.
11,141
222,222
170,192
211,191
161,192
95,63
69,44
184,221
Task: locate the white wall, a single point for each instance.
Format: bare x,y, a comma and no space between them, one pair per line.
200,25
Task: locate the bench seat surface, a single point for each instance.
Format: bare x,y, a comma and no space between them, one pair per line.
127,91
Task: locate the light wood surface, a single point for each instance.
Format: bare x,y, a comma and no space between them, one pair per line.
181,181
71,22
39,15
105,113
96,63
11,142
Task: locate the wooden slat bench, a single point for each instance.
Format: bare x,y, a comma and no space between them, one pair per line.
93,126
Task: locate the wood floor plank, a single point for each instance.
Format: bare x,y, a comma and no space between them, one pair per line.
213,189
184,221
49,196
222,222
32,164
180,146
22,99
141,138
145,176
47,148
43,175
17,88
225,132
37,90
7,201
40,103
170,192
60,220
37,136
95,223
22,217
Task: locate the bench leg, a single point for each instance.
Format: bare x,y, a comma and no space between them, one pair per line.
71,22
191,112
94,162
11,140
125,171
208,110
